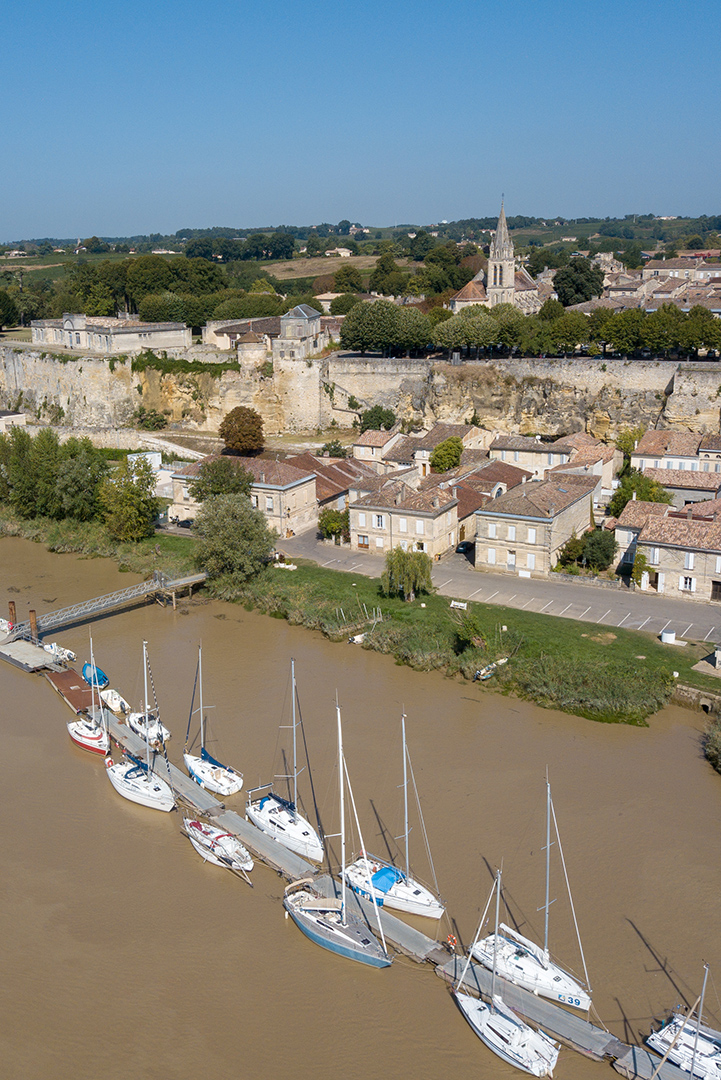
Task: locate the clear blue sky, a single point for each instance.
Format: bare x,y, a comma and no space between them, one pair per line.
133,117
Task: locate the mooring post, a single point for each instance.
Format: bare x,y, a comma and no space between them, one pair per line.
173,599
12,616
33,624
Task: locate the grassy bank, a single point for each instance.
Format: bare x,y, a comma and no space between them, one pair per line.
618,676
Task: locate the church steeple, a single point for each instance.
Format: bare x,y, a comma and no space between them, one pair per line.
500,285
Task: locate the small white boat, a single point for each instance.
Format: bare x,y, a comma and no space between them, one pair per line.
279,817
86,732
115,702
135,781
65,655
147,725
204,769
497,1025
691,1046
217,847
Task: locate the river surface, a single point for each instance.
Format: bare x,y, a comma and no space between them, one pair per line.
124,955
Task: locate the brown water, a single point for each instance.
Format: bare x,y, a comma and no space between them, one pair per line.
124,955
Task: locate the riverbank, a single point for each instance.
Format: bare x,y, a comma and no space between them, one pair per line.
615,676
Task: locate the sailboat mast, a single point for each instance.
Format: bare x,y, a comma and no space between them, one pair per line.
147,721
295,749
405,788
700,1014
342,813
548,864
93,678
200,679
495,935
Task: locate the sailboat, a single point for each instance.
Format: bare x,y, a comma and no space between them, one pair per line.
86,732
133,778
279,817
523,962
694,1048
390,886
205,770
499,1027
326,921
217,847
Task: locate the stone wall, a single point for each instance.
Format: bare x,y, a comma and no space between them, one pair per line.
550,397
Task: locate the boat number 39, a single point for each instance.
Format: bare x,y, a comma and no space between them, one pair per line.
569,1000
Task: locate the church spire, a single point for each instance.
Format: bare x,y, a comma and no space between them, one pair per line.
502,245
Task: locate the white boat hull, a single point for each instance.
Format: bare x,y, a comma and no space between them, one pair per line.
89,736
216,846
507,1036
149,729
405,894
139,786
289,829
115,702
522,965
708,1050
215,778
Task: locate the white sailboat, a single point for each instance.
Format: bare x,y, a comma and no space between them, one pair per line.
326,921
86,732
390,886
133,778
279,817
217,847
692,1047
498,1026
525,963
204,769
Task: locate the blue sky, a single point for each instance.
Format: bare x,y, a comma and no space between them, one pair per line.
132,118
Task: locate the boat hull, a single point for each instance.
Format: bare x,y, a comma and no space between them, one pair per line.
708,1050
520,966
217,847
221,780
95,676
292,831
353,941
508,1037
405,894
89,736
152,731
140,787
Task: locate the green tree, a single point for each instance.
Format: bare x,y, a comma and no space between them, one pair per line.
624,330
4,468
127,500
406,573
148,274
551,309
387,277
260,306
45,461
447,455
242,431
572,551
647,490
626,441
371,326
599,548
9,314
421,244
341,305
220,476
347,279
413,330
81,470
21,473
577,282
377,419
234,541
334,449
333,523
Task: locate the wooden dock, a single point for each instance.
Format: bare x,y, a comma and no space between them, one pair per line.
640,1062
27,656
73,689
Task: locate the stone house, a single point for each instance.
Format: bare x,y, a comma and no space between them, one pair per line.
687,486
10,419
536,456
86,333
334,477
628,526
522,531
683,555
603,461
667,450
372,446
284,494
395,514
301,334
471,437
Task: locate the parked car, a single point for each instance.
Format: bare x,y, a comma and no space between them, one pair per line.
465,547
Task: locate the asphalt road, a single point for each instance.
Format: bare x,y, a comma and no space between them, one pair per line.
455,577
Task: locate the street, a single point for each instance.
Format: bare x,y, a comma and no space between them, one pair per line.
455,577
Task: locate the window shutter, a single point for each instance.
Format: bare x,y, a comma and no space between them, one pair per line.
680,583
693,584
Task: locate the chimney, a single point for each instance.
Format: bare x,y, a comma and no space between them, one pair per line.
689,512
633,496
436,502
262,478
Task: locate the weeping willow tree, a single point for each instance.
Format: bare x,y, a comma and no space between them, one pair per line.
406,573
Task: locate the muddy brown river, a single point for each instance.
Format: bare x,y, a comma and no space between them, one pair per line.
124,955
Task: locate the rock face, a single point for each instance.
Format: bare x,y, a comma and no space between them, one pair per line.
548,397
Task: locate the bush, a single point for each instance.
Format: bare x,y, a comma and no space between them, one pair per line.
150,419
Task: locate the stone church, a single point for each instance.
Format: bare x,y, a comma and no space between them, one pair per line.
504,284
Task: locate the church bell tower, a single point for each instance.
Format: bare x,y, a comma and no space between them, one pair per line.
500,283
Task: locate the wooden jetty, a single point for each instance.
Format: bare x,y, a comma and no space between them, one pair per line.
73,689
27,656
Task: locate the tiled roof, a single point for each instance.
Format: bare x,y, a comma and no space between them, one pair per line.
710,442
683,533
685,443
265,473
474,456
440,432
523,282
474,291
399,496
270,326
373,438
576,440
497,472
333,476
685,478
519,442
588,455
302,311
403,450
469,499
670,264
636,513
541,498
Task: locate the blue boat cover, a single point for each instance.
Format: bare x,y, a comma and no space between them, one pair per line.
385,878
205,756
